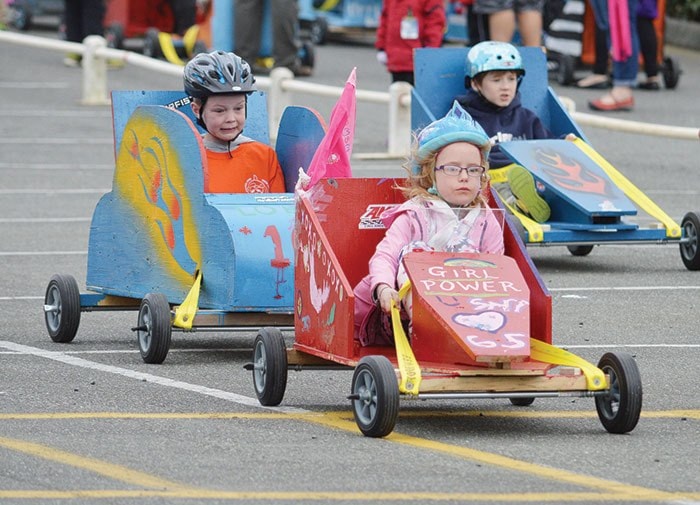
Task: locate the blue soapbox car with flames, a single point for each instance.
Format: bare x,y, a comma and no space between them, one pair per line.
591,202
157,241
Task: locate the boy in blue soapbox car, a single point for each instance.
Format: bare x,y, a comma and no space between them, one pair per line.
590,202
163,244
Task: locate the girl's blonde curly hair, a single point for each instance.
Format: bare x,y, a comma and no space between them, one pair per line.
421,176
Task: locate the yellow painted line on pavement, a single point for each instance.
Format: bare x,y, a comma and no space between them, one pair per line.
329,496
617,488
542,414
116,472
607,490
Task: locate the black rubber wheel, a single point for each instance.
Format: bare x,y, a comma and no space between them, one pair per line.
151,44
154,328
269,366
307,54
671,71
522,402
62,308
319,31
690,251
375,396
20,16
114,34
565,70
580,250
619,409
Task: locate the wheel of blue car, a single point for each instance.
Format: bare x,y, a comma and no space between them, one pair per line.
151,44
307,54
319,31
580,250
620,407
62,308
375,396
154,329
269,366
690,248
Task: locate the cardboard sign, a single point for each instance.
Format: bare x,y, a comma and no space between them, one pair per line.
479,301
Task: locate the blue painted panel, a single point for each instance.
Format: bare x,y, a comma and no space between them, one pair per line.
300,132
556,236
571,175
260,227
156,227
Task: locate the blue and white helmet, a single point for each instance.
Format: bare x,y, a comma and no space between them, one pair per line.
491,55
456,126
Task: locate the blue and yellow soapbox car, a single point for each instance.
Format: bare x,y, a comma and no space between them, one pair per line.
589,198
158,242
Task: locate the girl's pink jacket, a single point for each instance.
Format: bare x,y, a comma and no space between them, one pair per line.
430,15
417,221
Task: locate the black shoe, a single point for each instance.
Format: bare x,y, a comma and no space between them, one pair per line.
649,85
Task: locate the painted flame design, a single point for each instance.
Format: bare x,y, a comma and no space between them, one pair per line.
569,174
150,178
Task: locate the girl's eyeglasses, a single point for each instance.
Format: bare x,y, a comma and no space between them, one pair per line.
454,170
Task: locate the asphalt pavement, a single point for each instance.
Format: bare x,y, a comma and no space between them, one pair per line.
89,422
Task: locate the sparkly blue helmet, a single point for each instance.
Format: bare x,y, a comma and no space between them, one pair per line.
490,55
456,126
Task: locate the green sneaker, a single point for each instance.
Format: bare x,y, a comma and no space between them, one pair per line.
522,184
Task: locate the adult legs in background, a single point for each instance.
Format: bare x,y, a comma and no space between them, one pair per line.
624,71
477,26
82,18
285,16
247,27
504,16
648,46
530,27
599,77
502,25
185,14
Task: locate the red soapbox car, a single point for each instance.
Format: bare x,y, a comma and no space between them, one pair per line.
481,326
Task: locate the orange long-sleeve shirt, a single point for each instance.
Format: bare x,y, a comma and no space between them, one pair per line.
251,167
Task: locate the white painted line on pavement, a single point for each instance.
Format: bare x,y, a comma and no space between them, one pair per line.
54,113
34,85
147,377
36,191
45,219
41,253
55,166
55,140
135,351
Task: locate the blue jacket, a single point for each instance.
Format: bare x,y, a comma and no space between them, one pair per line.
515,120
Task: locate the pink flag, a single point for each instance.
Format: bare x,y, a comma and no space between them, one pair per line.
620,33
332,157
